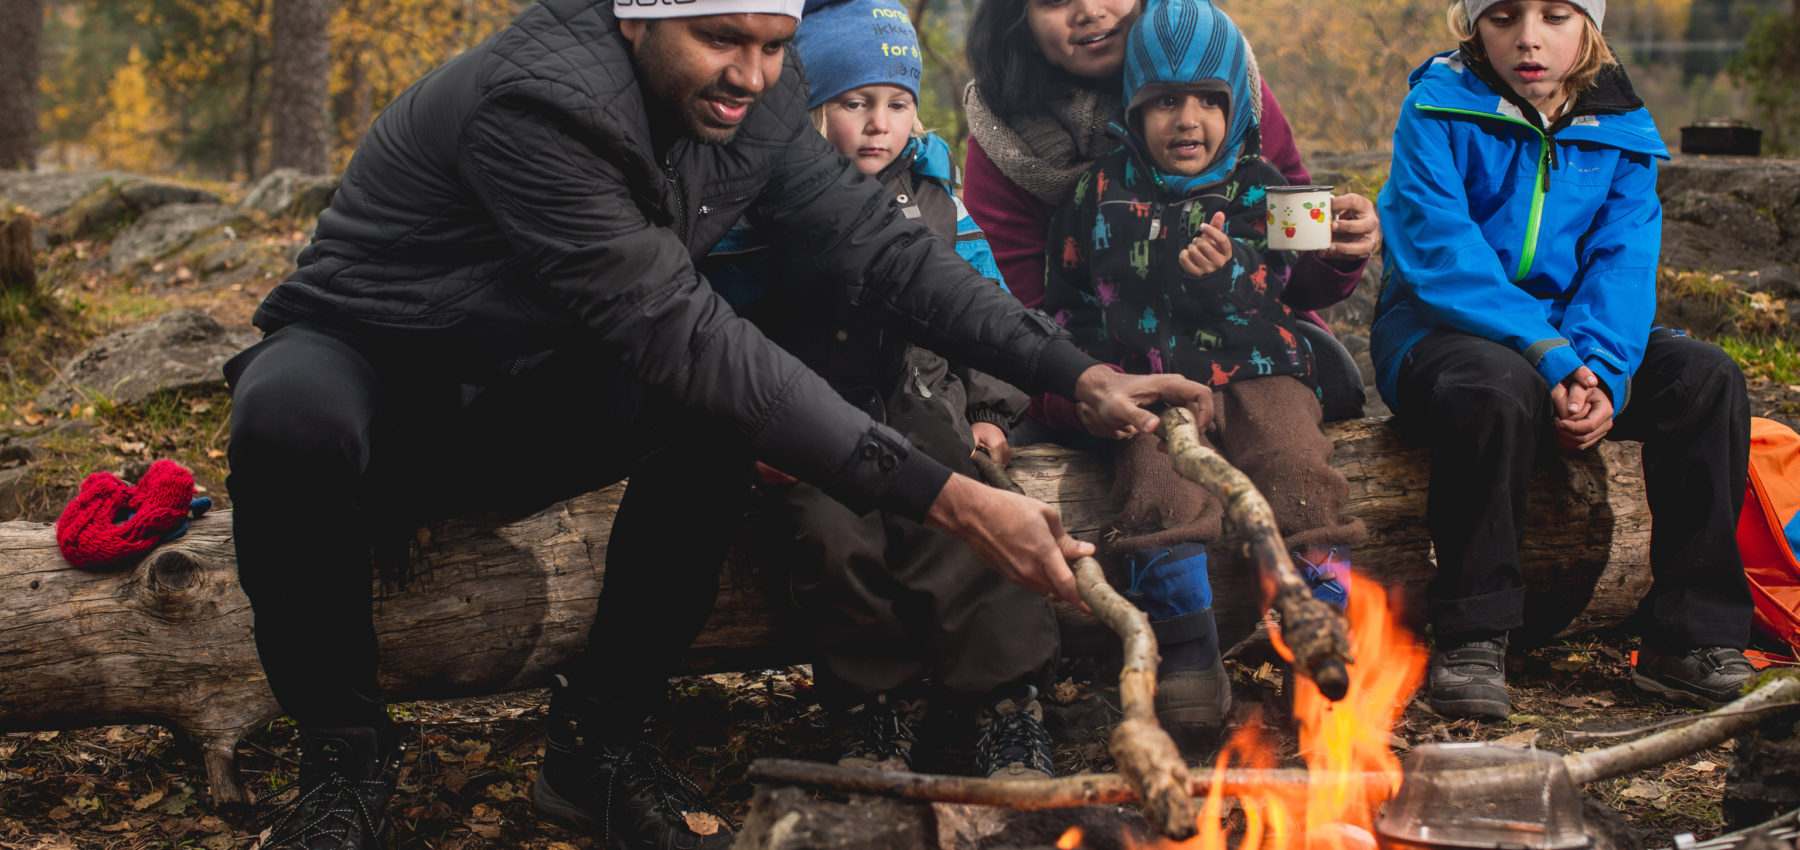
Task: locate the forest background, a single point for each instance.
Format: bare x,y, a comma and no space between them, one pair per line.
227,90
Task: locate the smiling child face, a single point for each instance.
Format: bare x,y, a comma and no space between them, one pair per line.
1184,130
1532,44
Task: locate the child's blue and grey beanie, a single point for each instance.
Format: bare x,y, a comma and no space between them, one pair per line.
846,44
1193,44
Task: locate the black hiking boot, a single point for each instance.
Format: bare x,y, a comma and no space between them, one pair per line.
347,776
1012,742
1707,676
1468,678
885,740
598,779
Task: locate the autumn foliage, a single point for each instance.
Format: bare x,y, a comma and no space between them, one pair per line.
154,85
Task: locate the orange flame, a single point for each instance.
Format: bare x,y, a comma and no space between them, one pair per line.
1340,742
1069,840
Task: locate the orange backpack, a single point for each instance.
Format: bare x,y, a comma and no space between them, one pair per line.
1768,532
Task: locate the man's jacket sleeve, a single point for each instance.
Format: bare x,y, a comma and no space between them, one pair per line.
1443,262
847,233
1608,319
570,216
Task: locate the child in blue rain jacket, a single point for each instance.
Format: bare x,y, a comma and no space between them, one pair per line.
1522,234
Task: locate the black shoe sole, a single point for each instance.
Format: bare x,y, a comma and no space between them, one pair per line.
1490,709
560,811
1674,693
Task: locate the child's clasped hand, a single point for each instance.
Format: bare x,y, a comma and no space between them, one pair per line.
1210,250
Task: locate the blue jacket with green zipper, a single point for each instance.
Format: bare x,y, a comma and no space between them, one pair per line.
1541,239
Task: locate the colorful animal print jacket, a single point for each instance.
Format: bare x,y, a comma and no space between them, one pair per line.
1113,279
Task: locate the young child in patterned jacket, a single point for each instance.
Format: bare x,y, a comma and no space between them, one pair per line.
1158,262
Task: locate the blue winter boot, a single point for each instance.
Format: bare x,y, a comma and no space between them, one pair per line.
1193,693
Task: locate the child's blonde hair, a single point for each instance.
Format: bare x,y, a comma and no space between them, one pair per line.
817,114
1590,58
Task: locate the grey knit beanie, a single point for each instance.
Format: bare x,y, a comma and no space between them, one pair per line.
1595,9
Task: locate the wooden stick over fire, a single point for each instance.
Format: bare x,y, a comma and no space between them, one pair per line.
1146,756
1087,789
1314,631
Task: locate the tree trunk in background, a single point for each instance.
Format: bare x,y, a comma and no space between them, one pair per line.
18,262
353,106
21,21
300,85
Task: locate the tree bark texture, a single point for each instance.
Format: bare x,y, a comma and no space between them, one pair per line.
300,85
494,605
23,22
18,262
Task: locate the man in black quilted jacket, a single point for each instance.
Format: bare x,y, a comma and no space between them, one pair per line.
500,310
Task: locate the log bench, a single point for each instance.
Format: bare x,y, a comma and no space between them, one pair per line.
496,604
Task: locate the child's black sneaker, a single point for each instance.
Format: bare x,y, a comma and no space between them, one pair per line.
1707,676
347,776
1012,742
885,738
1468,678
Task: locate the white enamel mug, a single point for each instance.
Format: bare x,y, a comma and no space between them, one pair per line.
1299,218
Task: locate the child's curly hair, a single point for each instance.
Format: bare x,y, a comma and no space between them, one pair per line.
1590,58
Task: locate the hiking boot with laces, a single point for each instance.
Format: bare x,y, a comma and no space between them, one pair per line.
1012,741
622,791
1468,679
1193,690
886,738
347,776
1707,676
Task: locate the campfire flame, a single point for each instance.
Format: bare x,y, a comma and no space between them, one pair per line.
1340,742
1069,840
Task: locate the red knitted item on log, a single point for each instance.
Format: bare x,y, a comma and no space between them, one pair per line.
110,521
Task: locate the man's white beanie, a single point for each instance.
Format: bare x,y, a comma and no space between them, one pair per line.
1595,9
696,8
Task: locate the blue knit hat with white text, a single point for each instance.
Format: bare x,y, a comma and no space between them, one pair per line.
847,44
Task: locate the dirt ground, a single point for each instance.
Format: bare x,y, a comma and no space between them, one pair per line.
471,762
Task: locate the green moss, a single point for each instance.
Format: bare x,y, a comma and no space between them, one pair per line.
1774,358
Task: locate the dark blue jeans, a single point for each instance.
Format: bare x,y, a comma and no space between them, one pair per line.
1486,414
340,448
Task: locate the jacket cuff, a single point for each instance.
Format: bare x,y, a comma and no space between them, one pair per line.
1556,363
1616,384
992,417
885,471
1060,367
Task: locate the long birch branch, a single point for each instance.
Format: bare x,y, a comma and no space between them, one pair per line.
1315,632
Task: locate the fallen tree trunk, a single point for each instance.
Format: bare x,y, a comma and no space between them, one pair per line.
495,605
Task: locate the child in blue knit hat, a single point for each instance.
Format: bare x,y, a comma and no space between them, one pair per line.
1158,262
890,601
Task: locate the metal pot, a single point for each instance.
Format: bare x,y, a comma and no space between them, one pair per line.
1483,795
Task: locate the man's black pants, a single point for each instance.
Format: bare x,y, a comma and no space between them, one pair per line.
1487,414
339,447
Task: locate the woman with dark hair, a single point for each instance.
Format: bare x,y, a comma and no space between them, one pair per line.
1047,83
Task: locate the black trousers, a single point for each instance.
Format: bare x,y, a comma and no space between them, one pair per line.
1486,414
339,447
889,600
